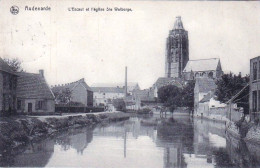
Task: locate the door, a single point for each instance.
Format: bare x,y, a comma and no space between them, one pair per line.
29,107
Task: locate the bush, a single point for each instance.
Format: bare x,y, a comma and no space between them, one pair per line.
144,111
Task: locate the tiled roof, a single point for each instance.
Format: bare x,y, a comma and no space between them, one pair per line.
202,65
33,86
70,86
108,89
206,98
205,84
163,81
5,67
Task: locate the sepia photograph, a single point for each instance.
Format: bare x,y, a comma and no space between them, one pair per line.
130,84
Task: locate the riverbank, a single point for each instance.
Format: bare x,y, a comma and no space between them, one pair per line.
20,130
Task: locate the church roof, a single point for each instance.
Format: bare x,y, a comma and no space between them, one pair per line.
178,23
202,65
34,86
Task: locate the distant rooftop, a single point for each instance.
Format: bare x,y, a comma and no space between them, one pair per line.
205,84
108,89
129,84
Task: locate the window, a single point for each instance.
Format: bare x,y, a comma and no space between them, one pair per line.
15,82
19,104
258,109
254,101
259,70
197,74
254,70
40,105
5,78
10,83
203,74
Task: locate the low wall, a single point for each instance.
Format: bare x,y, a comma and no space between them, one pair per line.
218,111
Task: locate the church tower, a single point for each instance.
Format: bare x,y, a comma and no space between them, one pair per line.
177,50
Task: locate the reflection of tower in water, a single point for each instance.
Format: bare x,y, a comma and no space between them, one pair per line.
173,156
125,144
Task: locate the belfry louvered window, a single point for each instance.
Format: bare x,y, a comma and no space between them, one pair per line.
254,70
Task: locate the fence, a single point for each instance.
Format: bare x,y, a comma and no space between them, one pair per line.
76,109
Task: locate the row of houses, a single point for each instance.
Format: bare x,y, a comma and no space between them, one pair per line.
22,92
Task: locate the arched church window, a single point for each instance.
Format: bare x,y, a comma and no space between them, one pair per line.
203,74
210,75
197,74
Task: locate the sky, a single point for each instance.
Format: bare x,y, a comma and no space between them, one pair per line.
97,46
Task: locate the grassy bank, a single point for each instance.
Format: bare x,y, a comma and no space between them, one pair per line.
16,131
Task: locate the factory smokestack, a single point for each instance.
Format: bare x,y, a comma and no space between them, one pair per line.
125,81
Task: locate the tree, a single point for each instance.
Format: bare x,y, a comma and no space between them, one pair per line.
15,64
119,104
187,95
229,85
170,96
63,97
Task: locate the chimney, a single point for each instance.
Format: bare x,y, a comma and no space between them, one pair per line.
125,81
240,74
41,72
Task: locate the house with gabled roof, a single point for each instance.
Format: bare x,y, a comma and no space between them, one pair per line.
81,93
203,91
202,68
8,85
34,94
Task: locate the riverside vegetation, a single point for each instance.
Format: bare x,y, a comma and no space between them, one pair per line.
19,131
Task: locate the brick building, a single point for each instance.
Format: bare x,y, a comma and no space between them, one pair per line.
81,93
204,87
254,91
8,86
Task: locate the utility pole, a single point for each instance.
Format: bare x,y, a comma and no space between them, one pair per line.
125,81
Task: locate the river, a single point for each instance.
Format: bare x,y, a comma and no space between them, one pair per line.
140,142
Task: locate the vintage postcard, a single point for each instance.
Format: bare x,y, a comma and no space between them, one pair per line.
129,84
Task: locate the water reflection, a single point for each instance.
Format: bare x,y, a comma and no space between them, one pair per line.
35,155
177,142
77,139
176,137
